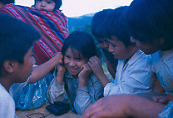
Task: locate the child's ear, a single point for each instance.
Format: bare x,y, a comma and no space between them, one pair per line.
9,66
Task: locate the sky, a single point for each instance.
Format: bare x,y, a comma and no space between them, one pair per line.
73,8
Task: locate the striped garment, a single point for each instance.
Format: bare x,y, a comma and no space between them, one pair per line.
53,27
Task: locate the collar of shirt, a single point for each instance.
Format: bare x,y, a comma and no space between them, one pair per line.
135,57
68,75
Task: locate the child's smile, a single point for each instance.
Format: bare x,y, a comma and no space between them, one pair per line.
73,63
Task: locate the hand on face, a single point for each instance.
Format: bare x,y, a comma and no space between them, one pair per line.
85,72
60,74
96,66
59,57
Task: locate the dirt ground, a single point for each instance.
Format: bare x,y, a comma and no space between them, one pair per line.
44,113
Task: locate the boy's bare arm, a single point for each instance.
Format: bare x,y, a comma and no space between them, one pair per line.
157,87
42,70
123,106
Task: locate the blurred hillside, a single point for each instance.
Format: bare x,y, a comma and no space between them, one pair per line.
81,22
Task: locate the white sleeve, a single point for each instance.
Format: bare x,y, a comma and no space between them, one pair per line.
7,105
138,81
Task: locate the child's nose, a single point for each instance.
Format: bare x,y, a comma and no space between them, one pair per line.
110,48
43,3
71,63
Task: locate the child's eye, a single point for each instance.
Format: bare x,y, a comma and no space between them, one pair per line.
113,45
49,2
78,59
101,41
67,56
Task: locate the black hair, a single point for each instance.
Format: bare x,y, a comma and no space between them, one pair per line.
97,21
81,41
149,20
7,1
16,38
114,26
58,4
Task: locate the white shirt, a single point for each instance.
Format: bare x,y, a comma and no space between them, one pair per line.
163,67
7,105
134,77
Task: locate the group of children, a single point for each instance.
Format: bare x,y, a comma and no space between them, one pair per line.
123,36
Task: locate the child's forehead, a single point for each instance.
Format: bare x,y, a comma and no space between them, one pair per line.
76,53
113,39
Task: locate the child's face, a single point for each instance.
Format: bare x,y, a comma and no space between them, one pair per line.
73,63
118,49
103,43
23,71
48,5
146,47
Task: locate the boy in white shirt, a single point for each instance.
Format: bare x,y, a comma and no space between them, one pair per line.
150,23
16,61
133,73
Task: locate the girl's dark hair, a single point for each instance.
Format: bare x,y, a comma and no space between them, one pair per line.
58,4
81,41
150,19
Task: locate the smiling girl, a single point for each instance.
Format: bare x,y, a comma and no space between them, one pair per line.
75,77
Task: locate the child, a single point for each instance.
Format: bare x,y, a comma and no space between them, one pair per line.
16,61
134,73
49,5
53,28
81,86
151,25
98,32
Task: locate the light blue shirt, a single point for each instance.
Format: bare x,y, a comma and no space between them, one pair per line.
163,67
134,77
80,98
167,111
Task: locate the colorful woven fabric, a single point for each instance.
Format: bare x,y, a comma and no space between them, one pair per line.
53,27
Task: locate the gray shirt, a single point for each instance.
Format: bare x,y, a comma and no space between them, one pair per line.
80,98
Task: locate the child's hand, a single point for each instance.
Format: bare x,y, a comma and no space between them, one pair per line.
60,74
58,57
163,99
85,72
96,67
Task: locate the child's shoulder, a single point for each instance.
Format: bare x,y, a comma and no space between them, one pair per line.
5,96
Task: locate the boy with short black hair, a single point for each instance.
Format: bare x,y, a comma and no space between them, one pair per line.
134,73
16,61
151,24
98,30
